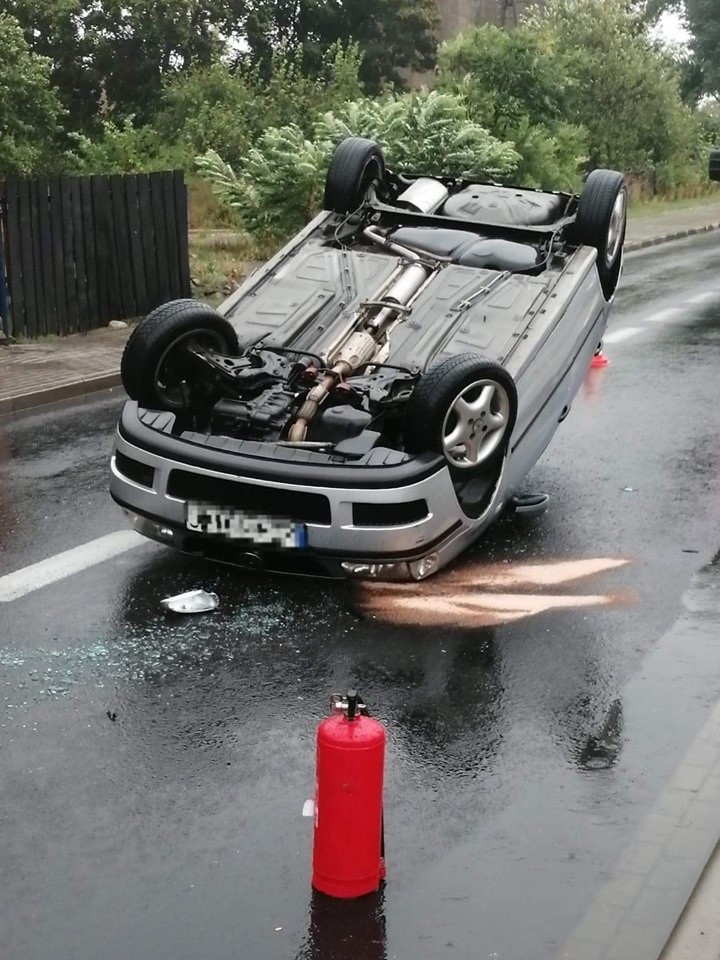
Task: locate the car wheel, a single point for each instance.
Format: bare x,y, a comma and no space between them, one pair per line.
356,164
155,363
464,408
600,222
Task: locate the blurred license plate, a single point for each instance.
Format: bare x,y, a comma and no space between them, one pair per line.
241,525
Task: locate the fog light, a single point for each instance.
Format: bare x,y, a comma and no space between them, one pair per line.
377,571
423,568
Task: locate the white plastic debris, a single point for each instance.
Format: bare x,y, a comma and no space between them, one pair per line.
117,325
194,601
309,808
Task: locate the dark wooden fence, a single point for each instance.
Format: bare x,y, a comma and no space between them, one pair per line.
81,251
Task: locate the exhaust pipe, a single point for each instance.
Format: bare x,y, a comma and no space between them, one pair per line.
361,346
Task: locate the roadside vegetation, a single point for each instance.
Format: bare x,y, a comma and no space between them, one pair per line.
250,98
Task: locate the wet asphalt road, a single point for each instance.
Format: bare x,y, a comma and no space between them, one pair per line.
521,756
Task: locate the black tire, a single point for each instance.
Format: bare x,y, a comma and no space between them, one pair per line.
714,165
433,398
157,343
355,164
600,222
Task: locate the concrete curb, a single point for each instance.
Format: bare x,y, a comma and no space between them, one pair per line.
678,235
84,388
67,391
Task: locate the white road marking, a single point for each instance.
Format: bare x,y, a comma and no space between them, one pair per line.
702,297
20,582
617,336
664,316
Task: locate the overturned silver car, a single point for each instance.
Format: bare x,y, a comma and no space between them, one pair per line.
369,401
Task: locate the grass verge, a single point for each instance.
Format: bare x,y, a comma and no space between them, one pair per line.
221,259
656,206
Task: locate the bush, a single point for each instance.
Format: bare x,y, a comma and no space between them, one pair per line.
123,149
221,109
506,76
579,82
279,184
423,132
209,108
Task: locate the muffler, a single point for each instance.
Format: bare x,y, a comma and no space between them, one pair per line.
424,195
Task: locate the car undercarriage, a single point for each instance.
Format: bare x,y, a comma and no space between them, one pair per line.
416,319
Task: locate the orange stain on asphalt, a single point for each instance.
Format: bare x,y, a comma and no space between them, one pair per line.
476,596
537,574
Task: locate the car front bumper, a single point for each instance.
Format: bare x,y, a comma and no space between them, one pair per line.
386,533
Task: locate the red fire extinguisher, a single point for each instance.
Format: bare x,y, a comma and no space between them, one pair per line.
348,854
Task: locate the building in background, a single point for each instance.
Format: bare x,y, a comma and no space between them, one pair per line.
456,15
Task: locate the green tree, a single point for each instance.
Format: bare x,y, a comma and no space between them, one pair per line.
268,25
227,110
56,29
113,56
625,93
221,109
213,107
709,116
141,43
692,79
394,34
30,110
515,75
516,84
703,20
652,10
286,93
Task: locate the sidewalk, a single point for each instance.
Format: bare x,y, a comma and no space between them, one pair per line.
661,227
697,934
47,371
59,368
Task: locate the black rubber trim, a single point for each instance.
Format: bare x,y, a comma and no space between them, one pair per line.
139,473
389,514
303,506
360,477
310,551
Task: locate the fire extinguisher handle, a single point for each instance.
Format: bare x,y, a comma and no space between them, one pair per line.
351,705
